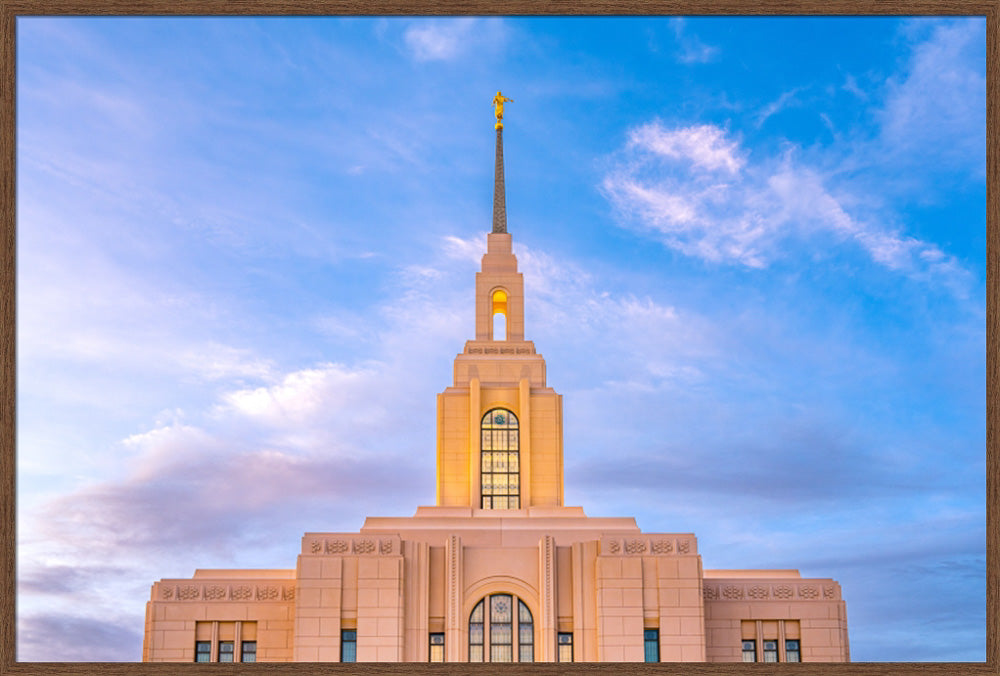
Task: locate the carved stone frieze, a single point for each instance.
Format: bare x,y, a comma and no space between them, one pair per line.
783,591
759,591
215,593
663,547
808,592
732,592
635,546
337,546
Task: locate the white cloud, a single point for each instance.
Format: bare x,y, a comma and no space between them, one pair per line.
690,48
732,210
445,39
705,146
937,110
309,396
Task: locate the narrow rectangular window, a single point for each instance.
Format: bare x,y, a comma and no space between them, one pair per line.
792,651
651,638
248,651
565,644
202,651
348,645
749,651
436,652
226,649
770,650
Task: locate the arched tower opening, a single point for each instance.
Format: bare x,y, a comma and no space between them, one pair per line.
499,313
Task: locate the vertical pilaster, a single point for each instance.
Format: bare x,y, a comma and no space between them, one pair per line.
475,432
524,409
453,621
585,637
417,602
548,622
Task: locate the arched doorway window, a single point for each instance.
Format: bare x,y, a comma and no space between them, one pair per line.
500,484
501,629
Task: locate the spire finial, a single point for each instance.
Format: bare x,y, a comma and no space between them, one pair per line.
499,196
498,102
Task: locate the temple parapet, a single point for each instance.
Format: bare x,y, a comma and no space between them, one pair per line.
351,544
655,544
757,589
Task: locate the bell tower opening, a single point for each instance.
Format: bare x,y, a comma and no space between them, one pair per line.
499,306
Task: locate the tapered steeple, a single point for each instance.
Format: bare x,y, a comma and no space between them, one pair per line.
499,195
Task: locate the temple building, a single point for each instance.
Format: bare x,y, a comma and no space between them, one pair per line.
499,569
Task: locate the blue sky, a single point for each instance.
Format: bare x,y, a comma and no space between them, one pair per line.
754,258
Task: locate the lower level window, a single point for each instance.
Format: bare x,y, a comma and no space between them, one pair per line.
248,651
348,645
435,651
771,640
227,651
202,651
564,643
651,640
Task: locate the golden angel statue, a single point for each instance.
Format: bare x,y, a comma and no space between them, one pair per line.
498,102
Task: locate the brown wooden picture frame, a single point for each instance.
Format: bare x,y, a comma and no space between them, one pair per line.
11,10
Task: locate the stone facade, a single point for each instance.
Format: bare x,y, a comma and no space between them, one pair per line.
499,568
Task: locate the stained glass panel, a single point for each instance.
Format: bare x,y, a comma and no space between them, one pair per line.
501,653
523,614
499,461
500,608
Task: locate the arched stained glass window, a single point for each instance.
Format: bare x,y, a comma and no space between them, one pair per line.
498,634
500,461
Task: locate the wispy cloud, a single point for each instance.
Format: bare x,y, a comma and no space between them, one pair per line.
690,48
446,39
697,191
784,101
936,110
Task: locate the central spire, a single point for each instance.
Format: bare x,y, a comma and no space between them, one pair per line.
499,198
499,195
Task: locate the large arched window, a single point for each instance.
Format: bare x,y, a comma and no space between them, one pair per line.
498,634
500,485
